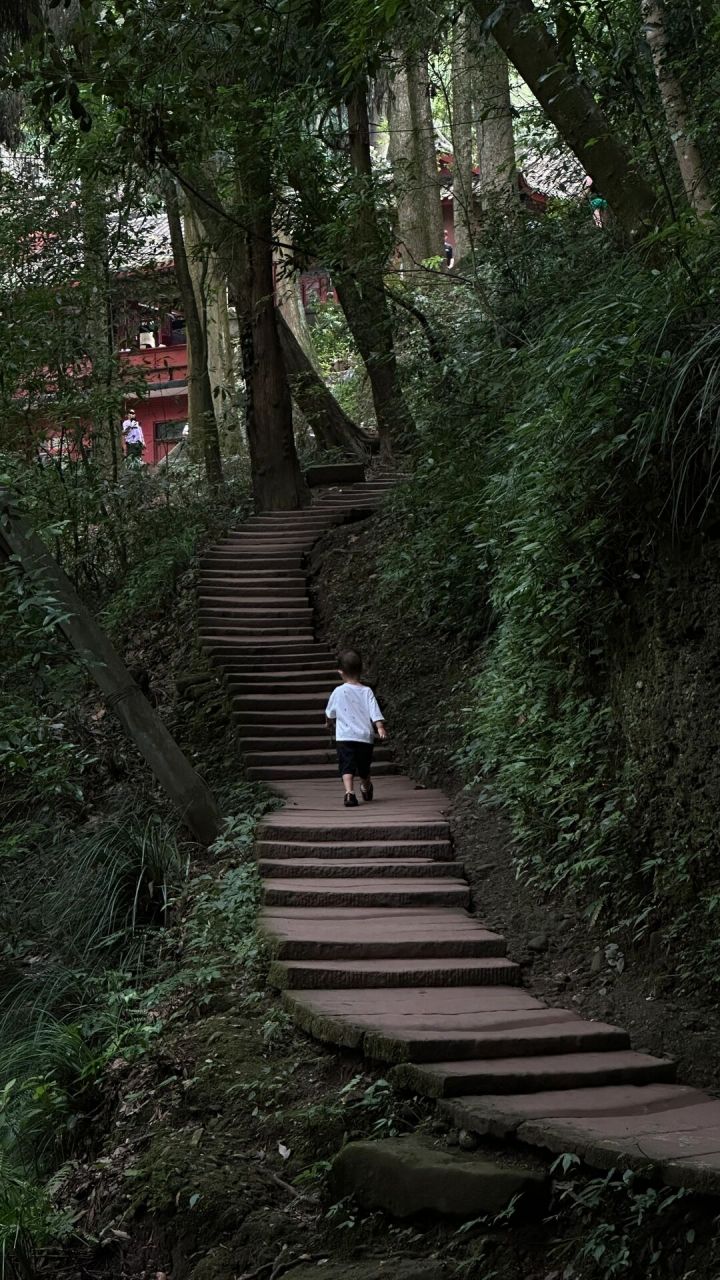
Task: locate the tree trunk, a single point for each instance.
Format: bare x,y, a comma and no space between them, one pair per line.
183,785
676,111
278,483
211,296
414,163
201,412
331,426
247,260
463,102
496,141
569,103
423,136
361,287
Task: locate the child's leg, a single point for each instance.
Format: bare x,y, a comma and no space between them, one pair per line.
346,766
349,781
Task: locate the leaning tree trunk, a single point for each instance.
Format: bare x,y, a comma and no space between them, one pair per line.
496,141
211,296
569,103
201,412
330,424
183,785
689,160
361,287
461,130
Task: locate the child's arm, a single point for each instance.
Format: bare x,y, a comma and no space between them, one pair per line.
379,727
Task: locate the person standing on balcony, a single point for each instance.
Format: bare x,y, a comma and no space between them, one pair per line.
133,437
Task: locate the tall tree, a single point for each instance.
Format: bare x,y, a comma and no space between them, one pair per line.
496,140
203,426
360,285
687,152
568,101
413,158
462,122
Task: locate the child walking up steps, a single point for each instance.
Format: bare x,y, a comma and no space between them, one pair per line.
354,713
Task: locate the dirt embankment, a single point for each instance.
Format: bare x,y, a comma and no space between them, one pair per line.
420,679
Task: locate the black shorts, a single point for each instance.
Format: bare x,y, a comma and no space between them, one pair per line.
355,758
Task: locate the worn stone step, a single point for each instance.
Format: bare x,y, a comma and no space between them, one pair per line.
565,1035
243,562
287,772
360,826
271,650
253,717
438,850
280,702
304,933
345,1017
457,971
249,684
410,868
315,755
258,736
526,1075
373,893
278,772
504,1115
257,610
234,630
225,592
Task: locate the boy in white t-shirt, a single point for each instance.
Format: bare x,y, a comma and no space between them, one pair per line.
354,713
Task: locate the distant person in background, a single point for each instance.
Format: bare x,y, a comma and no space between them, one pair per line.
133,436
598,203
448,252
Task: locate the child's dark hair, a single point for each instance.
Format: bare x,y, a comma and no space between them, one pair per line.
350,663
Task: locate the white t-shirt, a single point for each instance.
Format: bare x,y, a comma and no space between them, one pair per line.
132,431
355,710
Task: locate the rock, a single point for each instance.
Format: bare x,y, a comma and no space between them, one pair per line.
596,963
409,1175
538,943
467,1141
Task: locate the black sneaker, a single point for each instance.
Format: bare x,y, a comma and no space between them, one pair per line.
350,799
367,791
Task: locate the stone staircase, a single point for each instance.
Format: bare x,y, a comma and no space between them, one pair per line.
367,913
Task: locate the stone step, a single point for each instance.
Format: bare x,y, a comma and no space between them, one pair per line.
278,772
280,578
373,893
526,1075
377,934
209,631
315,755
437,850
270,651
243,562
267,668
253,717
236,607
358,827
356,868
262,735
226,592
456,971
566,1035
286,682
280,702
257,610
345,1017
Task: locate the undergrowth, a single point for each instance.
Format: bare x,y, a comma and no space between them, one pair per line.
566,462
